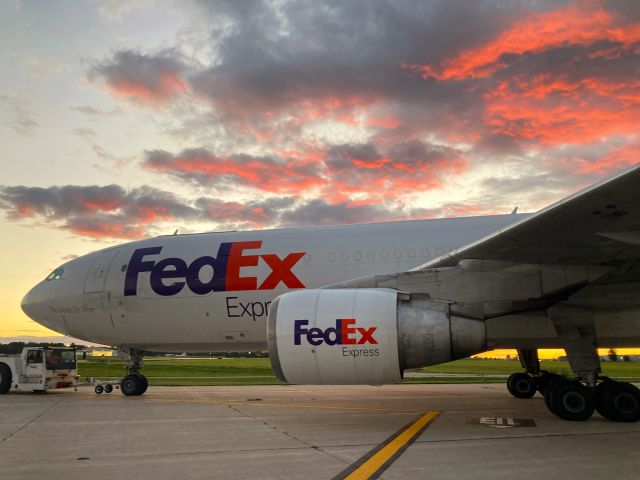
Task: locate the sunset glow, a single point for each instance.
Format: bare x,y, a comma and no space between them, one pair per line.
205,116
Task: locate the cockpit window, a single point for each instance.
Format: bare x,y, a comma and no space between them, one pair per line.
56,274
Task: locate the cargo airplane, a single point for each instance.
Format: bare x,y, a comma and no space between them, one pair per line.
359,304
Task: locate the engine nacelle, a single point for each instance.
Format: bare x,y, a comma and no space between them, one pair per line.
363,336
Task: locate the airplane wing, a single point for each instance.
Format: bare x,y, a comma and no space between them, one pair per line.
598,226
558,250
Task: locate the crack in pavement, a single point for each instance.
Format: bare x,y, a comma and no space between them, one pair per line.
290,435
55,404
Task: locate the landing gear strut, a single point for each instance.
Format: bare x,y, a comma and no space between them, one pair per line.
134,384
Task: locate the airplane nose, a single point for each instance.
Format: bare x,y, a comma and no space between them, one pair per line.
35,305
29,305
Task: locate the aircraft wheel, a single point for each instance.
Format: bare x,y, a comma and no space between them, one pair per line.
521,385
5,378
131,385
108,388
549,391
571,401
99,389
618,401
144,385
543,381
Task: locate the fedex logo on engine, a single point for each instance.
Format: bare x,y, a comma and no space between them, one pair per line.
226,265
344,333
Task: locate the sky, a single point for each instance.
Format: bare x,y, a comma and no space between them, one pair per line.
123,120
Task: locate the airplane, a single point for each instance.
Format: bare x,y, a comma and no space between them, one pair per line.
359,304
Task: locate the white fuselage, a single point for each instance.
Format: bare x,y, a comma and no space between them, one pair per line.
212,291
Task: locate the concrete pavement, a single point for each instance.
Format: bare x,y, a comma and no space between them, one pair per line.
275,432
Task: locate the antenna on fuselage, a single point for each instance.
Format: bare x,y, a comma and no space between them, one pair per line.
515,210
176,232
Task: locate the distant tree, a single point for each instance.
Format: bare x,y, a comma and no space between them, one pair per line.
13,348
613,356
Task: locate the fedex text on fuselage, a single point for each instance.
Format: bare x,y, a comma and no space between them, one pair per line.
226,265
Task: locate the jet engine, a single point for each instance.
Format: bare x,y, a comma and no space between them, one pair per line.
363,336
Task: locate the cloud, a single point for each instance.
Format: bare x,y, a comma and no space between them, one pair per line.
301,112
499,78
41,69
111,212
108,212
336,174
564,76
21,120
95,211
278,68
93,112
619,158
583,23
261,173
114,10
319,212
84,132
151,79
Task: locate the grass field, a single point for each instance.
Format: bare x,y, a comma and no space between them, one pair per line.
187,371
257,371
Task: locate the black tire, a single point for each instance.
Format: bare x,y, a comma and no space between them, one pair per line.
133,385
5,378
601,407
130,385
108,388
572,401
618,401
99,389
145,384
549,391
521,385
542,381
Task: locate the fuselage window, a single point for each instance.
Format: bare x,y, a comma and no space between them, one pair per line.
56,274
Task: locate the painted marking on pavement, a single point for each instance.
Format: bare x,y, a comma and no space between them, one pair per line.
503,422
375,462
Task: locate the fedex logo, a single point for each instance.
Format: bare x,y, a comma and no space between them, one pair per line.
226,265
344,333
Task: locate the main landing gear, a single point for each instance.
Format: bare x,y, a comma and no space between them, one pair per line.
575,400
134,384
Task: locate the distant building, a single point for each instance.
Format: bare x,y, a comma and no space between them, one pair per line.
100,352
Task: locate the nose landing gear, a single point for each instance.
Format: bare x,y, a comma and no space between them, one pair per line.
134,384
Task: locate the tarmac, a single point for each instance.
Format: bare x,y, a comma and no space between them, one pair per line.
307,432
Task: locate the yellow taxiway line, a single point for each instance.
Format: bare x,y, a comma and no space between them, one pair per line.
380,458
